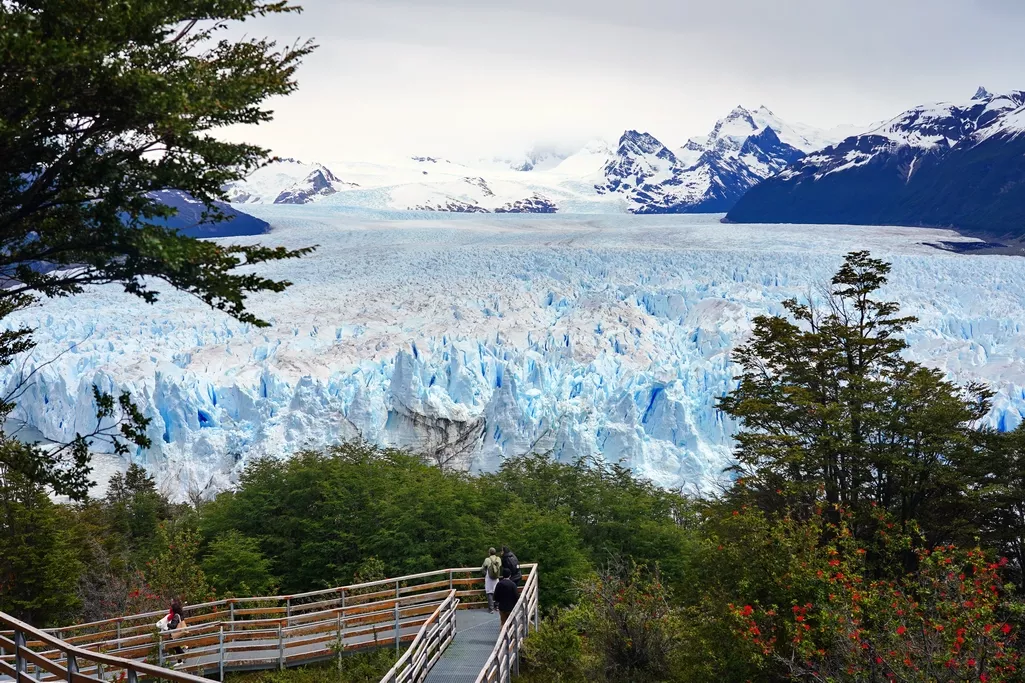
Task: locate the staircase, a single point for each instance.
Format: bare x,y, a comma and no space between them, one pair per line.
439,617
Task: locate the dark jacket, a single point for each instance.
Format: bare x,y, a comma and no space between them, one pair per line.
506,594
510,562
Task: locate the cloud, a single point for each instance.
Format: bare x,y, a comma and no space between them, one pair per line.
460,76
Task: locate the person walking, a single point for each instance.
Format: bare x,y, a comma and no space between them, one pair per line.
492,569
176,620
510,562
506,594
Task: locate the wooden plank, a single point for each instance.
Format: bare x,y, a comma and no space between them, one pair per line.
247,636
310,629
260,611
312,654
264,647
197,641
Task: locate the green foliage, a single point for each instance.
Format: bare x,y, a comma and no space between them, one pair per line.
827,617
828,406
612,512
175,572
135,509
102,104
623,629
318,517
556,653
39,567
235,566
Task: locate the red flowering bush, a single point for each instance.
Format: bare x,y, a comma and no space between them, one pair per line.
944,619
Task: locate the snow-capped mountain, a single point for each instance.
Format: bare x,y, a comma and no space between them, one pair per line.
945,164
639,175
286,181
709,173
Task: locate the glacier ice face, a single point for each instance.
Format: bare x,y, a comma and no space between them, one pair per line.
474,338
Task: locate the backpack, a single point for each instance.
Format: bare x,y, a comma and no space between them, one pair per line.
510,561
494,567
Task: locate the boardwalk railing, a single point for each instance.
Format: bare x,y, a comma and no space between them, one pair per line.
428,646
504,661
278,631
23,663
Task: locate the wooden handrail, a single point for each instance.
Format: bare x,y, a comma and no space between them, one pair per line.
365,615
23,631
504,660
414,664
227,602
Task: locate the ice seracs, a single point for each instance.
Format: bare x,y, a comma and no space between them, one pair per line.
475,338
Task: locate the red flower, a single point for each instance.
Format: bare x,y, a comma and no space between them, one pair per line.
747,610
901,630
1006,628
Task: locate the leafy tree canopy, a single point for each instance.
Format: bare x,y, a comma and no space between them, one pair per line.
102,103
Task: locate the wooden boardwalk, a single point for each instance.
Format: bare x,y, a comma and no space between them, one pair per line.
434,618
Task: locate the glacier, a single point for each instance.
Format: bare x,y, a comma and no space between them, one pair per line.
472,338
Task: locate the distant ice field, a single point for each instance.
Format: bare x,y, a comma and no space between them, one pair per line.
475,338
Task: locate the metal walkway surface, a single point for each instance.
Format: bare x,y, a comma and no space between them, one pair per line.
476,635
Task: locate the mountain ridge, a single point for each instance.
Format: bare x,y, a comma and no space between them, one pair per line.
640,174
953,165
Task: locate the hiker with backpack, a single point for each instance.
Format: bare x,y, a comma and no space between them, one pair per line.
492,569
510,562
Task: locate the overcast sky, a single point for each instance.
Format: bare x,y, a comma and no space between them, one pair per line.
469,78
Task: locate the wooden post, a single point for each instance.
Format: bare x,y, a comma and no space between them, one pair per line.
72,667
288,607
19,659
340,643
220,668
281,650
119,633
396,625
160,649
231,613
132,676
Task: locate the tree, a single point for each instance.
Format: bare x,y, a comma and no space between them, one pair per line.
135,508
39,564
101,105
994,504
828,406
624,628
175,571
235,565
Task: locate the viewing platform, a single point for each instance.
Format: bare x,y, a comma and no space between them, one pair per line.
439,617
